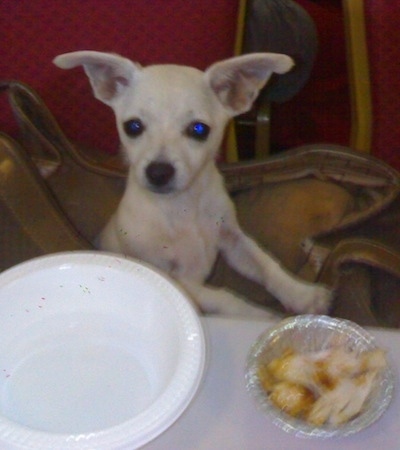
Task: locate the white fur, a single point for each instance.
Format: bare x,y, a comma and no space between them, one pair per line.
182,224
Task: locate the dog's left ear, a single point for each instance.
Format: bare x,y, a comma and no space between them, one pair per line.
108,73
237,81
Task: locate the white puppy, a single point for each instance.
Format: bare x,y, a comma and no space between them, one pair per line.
175,212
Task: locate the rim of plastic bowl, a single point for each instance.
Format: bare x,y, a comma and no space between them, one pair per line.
164,411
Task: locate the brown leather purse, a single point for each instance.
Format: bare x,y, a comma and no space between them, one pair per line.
328,213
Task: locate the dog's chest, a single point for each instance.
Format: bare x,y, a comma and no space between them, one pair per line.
183,242
191,248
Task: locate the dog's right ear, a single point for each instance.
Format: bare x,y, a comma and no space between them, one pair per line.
237,81
109,74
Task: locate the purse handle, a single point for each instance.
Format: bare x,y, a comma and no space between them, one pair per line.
47,143
379,181
359,251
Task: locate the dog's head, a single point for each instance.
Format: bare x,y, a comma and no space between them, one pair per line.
170,118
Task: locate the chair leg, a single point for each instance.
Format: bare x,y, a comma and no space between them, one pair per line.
358,70
262,132
231,153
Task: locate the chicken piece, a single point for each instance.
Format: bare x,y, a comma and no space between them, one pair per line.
343,363
293,399
328,386
322,370
293,368
374,360
331,366
266,378
344,402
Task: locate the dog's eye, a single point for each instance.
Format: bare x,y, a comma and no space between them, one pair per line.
134,127
198,130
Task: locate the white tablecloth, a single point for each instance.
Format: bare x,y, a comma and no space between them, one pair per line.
223,416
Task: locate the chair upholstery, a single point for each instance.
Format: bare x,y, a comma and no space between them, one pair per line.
280,26
358,71
317,107
320,112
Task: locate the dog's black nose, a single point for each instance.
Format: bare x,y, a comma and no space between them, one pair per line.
159,173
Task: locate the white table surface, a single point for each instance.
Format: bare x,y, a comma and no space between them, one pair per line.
223,416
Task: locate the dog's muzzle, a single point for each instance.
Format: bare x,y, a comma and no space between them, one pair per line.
160,175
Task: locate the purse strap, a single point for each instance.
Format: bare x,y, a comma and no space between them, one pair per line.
47,144
359,251
29,213
379,182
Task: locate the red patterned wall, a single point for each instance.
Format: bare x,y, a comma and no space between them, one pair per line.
32,33
382,19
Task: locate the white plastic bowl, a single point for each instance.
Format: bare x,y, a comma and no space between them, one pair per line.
96,351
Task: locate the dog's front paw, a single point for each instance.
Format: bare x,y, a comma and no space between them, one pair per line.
223,302
311,299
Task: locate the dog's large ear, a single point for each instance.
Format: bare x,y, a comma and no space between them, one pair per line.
237,81
109,74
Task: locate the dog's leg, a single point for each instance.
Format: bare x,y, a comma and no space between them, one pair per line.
212,300
296,295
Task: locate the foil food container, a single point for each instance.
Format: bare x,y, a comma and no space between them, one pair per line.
309,333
